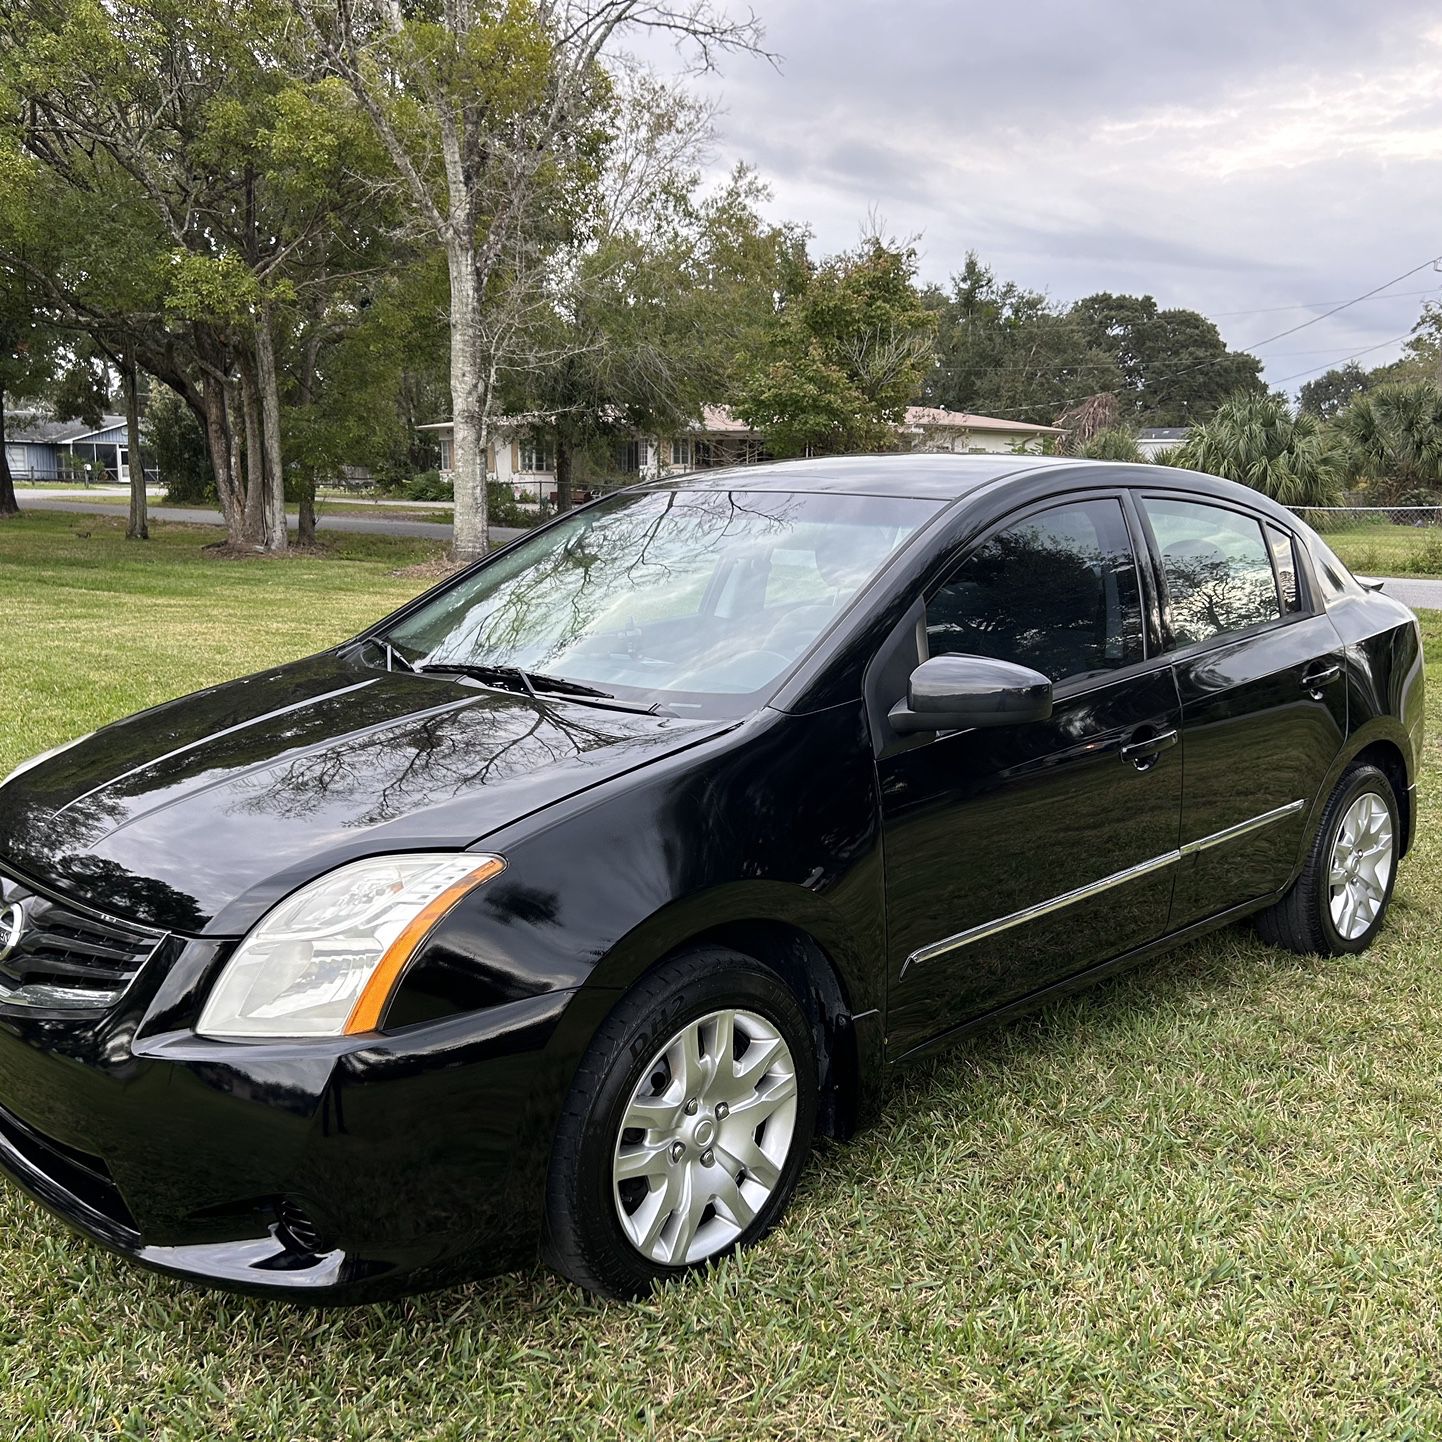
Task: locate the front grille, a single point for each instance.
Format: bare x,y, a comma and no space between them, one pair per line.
64,960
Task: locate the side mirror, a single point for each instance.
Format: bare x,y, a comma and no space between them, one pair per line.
954,693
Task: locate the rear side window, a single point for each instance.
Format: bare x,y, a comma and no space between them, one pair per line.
1056,592
1217,568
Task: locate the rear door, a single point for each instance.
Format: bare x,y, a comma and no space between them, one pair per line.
1264,713
1016,855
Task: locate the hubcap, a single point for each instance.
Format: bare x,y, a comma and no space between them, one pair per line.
705,1137
1361,865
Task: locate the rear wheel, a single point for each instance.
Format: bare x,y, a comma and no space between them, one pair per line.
1338,903
687,1127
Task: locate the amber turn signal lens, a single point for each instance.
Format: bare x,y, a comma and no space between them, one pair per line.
371,1004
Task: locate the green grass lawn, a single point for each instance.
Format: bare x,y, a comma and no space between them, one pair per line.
1204,1199
1379,548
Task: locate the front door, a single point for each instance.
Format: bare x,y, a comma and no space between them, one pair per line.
1016,855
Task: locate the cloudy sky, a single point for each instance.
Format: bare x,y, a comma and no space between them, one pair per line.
1258,160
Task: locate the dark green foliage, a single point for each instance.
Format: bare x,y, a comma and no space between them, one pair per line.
1257,440
177,449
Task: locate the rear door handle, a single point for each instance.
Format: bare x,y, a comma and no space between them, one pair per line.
1142,754
1320,676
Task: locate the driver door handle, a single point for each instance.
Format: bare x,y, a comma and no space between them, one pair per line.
1142,754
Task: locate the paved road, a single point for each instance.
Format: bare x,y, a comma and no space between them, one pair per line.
1420,595
329,521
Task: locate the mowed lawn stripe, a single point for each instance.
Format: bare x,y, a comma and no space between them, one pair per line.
1201,1200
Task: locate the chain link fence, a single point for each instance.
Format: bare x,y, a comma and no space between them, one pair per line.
1381,540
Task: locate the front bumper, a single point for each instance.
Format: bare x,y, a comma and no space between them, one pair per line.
335,1170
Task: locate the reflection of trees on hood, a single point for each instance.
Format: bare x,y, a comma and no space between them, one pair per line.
397,771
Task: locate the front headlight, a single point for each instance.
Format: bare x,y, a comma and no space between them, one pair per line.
325,961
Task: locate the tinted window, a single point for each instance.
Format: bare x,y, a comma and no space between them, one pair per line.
1284,561
1056,592
1216,566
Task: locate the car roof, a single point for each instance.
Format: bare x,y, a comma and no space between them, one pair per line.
927,476
945,477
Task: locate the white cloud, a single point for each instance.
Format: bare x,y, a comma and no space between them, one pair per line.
1229,158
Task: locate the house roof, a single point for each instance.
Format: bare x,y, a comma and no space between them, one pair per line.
1163,433
59,433
935,418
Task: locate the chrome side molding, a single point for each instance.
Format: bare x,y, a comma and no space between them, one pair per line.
1095,888
1242,828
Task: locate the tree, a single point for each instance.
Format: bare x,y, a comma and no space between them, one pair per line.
1113,444
1394,433
626,344
177,444
27,350
181,189
1258,441
1175,367
492,116
1332,392
845,357
1008,351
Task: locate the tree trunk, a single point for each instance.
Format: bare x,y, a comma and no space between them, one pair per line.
139,527
255,510
217,441
563,474
305,529
9,506
468,470
268,394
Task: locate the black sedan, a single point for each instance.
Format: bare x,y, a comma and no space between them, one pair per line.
562,908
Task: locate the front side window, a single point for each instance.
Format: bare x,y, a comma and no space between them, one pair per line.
1057,592
1216,566
696,600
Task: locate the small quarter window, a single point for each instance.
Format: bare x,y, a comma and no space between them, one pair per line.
1284,561
1056,592
1217,569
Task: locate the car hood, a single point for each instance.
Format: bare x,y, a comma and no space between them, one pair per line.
198,815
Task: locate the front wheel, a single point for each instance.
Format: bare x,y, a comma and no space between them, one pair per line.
1338,903
687,1126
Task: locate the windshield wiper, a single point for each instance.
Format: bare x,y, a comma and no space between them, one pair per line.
394,660
531,680
537,685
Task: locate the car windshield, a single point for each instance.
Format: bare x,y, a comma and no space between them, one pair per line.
692,600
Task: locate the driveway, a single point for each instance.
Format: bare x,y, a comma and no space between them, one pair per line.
1419,595
330,521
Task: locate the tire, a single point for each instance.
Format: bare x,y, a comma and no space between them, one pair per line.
621,1236
1305,919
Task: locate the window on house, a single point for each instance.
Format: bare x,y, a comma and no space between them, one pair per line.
628,457
537,456
681,451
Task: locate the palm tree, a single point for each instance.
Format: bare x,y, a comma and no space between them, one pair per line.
1395,436
1259,441
1115,443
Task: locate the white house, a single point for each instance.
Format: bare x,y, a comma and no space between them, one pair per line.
1152,439
515,456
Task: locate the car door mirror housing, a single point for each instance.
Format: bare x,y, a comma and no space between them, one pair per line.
955,693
